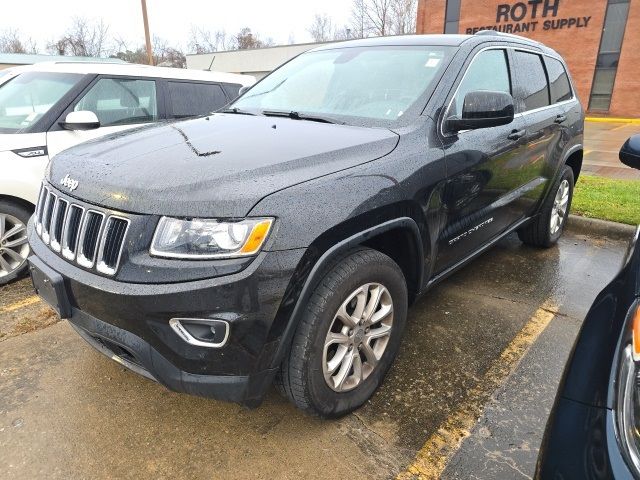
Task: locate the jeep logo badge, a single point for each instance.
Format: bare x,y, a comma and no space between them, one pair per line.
69,182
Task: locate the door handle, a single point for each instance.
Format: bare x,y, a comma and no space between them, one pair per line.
517,134
560,118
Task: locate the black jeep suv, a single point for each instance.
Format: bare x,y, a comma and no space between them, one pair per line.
284,237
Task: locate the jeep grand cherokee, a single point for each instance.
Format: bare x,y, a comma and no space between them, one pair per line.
284,237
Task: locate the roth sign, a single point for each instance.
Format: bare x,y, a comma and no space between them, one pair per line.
531,16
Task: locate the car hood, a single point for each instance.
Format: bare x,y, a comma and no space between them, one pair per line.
219,166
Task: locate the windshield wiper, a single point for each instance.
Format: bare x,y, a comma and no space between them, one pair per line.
297,116
237,111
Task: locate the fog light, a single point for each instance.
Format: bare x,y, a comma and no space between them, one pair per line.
202,332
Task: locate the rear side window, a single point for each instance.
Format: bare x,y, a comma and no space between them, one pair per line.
558,81
488,71
192,99
118,101
532,90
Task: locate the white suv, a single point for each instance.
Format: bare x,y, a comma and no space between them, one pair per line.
48,107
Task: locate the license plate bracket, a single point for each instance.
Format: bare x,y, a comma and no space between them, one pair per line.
49,285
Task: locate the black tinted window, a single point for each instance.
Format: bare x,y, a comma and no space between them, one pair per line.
531,82
191,99
558,81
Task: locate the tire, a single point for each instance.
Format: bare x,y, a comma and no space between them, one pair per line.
303,373
541,232
12,216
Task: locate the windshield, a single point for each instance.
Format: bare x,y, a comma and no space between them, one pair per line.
375,83
27,97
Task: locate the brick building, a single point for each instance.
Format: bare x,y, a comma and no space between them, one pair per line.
599,39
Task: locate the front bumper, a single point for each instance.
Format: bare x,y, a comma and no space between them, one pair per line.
580,442
130,322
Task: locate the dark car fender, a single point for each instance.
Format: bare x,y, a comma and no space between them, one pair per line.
320,267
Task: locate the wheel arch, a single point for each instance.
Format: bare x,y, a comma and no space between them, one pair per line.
379,237
19,201
573,159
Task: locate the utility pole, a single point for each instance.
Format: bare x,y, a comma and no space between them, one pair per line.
146,32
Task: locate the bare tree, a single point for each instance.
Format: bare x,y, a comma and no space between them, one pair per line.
245,39
206,41
359,21
163,54
11,41
83,38
403,15
379,16
383,17
322,30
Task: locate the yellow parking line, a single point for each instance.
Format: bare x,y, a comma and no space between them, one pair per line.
619,127
635,121
586,152
434,455
22,303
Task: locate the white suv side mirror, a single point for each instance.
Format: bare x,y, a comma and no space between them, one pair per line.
81,120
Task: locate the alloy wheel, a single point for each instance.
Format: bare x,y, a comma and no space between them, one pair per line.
559,210
357,337
14,248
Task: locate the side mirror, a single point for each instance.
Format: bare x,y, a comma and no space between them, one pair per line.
82,120
483,109
243,90
630,152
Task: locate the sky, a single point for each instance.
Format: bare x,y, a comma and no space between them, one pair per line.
282,20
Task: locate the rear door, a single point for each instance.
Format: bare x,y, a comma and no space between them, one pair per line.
545,142
120,103
190,99
481,165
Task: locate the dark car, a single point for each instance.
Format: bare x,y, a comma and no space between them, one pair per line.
284,237
594,428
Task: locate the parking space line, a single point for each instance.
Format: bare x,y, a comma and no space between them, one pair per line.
620,127
22,303
434,455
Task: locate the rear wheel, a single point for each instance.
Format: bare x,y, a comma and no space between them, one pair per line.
14,248
546,229
348,336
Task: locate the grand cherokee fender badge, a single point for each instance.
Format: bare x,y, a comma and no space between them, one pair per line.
69,182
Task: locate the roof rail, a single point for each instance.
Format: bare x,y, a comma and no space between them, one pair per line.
495,33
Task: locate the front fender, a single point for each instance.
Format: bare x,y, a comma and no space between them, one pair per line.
21,177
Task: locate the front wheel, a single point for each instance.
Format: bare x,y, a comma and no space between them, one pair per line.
546,229
14,248
348,336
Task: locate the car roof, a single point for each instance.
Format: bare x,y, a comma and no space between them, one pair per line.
135,70
453,40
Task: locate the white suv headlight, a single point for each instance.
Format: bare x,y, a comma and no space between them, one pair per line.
209,238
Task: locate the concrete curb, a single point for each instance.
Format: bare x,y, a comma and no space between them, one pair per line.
604,228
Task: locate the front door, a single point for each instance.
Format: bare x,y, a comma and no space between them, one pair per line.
482,167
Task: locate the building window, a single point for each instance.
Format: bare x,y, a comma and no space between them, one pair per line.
452,16
604,77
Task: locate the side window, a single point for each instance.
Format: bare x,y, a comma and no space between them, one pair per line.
118,101
558,81
532,90
192,99
488,71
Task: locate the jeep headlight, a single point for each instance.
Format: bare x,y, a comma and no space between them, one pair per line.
628,396
209,238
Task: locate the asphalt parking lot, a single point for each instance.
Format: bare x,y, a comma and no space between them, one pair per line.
467,398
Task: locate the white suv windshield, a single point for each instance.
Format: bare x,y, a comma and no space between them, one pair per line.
374,83
27,97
